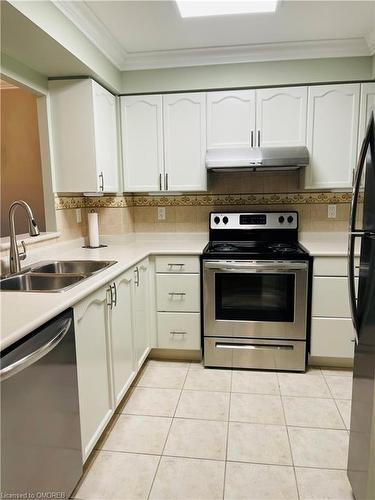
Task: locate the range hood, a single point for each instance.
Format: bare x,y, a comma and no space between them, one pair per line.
256,159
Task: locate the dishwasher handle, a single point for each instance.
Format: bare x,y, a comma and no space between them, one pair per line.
32,357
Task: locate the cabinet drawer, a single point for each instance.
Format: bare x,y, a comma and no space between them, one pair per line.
177,264
332,338
332,266
179,330
178,292
330,297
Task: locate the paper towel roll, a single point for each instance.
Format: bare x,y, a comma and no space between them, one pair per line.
93,229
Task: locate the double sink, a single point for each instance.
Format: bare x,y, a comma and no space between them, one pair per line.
53,276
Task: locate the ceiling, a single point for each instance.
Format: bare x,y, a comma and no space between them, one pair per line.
151,34
30,45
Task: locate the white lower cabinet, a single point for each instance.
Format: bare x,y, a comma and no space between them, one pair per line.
96,403
178,302
178,330
112,341
332,334
178,292
332,338
141,312
122,335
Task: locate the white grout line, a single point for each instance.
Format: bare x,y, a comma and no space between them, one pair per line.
221,460
290,445
227,440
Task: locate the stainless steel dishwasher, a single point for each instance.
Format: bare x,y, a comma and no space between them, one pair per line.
40,430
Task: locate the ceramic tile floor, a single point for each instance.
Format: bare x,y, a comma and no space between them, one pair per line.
186,432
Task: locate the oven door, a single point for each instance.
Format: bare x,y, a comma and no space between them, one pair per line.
255,299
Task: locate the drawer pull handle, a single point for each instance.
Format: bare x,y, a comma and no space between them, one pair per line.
266,347
180,294
175,332
176,265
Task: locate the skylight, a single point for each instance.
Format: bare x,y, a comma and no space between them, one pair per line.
198,8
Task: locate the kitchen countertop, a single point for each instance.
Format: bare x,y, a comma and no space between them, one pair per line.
22,312
327,244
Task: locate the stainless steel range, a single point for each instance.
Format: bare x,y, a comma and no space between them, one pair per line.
255,292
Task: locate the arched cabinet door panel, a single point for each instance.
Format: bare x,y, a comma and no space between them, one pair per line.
122,335
332,135
142,143
366,107
96,403
141,306
281,117
231,119
185,142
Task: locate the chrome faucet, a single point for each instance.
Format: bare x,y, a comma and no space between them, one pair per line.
14,256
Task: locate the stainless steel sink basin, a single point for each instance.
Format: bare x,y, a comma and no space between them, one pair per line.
32,282
53,275
87,267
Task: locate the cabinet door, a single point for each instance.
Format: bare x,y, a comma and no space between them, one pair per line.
141,310
93,367
367,105
332,133
231,119
122,335
185,142
332,338
142,143
106,146
72,130
281,116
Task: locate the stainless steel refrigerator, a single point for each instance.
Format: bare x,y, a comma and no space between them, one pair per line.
361,461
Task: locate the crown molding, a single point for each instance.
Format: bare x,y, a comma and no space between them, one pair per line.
247,54
81,15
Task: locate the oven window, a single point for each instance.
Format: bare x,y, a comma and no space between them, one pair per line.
255,297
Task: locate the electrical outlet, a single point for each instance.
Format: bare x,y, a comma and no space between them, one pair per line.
331,211
78,215
161,213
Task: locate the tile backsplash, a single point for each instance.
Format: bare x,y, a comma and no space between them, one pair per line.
138,212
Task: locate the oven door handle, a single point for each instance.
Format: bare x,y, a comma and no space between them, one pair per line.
253,267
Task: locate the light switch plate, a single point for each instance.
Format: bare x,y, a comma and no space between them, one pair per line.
78,215
161,213
331,211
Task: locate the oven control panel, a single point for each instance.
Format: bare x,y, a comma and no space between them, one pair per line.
254,220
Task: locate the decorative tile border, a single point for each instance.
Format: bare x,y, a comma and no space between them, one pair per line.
201,199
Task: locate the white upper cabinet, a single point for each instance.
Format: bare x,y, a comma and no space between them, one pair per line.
84,132
106,144
164,142
281,116
367,105
185,141
142,143
332,134
231,119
